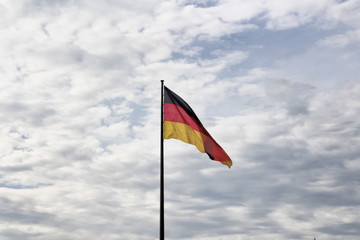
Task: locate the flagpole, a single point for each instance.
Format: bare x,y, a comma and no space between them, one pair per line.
162,227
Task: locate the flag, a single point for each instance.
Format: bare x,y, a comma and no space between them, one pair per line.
180,122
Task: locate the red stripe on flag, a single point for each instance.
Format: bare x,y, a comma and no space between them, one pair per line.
174,113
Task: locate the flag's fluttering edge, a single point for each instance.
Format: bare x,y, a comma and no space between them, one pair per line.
180,122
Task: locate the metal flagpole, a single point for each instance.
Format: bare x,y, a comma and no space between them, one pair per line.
162,227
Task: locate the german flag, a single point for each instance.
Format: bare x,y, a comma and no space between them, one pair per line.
180,122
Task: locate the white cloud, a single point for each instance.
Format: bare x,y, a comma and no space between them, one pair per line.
345,12
341,40
291,14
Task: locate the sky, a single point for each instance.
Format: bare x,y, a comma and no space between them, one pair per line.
275,82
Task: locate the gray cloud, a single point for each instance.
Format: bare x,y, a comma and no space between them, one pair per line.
294,95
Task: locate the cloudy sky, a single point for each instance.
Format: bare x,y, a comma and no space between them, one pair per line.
276,83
